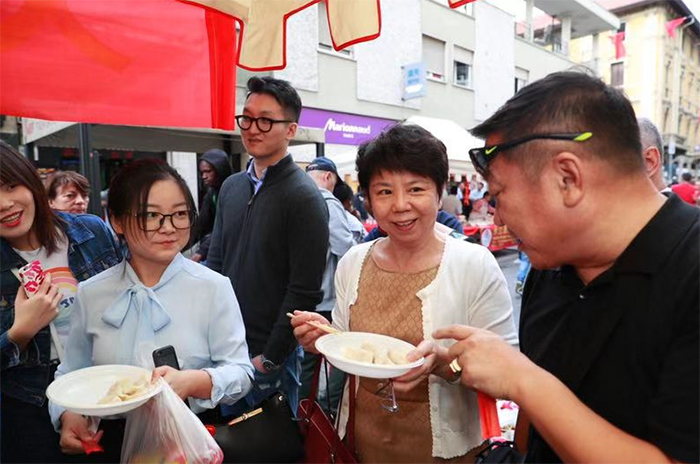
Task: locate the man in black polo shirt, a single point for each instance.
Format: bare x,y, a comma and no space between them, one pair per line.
609,369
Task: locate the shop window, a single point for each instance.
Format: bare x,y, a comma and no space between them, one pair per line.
466,9
522,77
617,74
463,67
434,58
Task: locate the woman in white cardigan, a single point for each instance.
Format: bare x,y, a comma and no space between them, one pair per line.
407,285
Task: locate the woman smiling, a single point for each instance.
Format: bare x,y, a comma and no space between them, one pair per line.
407,285
34,328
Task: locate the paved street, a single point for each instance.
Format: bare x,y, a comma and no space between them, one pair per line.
508,261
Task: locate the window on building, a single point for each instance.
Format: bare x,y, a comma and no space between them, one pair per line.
434,58
617,74
325,42
463,62
522,77
467,9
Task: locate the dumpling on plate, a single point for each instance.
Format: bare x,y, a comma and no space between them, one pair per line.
382,357
125,390
358,354
398,356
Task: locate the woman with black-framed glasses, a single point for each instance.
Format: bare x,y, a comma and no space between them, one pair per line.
153,299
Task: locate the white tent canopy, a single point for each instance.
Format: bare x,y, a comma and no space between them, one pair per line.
456,139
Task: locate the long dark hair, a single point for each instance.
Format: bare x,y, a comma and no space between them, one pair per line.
129,189
17,170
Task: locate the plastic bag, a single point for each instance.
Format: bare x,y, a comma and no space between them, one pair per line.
164,430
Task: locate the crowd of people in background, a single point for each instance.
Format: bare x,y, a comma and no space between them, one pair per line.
609,281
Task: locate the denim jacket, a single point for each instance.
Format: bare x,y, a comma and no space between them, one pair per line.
91,250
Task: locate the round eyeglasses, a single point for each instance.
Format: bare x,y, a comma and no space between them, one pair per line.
151,221
264,124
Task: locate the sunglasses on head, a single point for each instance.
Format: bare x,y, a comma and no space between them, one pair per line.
481,157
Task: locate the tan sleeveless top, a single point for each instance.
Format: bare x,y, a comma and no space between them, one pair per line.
387,304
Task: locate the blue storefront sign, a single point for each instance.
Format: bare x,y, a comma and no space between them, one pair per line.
414,81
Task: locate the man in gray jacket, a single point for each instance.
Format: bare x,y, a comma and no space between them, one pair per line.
324,173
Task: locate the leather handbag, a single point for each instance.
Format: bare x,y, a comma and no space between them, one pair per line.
322,443
267,433
500,452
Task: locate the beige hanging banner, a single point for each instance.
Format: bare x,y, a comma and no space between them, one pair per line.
263,33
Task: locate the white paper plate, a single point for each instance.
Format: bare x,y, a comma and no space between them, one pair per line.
79,391
331,346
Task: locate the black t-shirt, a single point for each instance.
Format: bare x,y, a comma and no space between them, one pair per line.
627,344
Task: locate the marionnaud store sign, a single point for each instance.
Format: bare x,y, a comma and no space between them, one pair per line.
343,128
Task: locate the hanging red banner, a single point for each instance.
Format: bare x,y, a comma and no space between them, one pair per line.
456,3
146,62
619,41
672,25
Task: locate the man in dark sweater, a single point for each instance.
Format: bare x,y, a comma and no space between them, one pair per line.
270,238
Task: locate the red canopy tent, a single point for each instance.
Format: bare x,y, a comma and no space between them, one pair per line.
151,62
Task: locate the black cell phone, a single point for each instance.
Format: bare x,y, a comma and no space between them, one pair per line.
166,356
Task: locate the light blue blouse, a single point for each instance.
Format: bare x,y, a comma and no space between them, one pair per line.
117,320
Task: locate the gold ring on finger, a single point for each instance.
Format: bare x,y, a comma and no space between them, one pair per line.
455,367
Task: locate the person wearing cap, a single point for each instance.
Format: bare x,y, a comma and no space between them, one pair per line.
270,238
325,175
214,169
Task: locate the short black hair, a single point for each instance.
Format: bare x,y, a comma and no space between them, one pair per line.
129,188
686,176
453,190
569,101
407,148
280,90
343,192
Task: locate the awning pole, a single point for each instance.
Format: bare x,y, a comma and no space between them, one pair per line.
90,167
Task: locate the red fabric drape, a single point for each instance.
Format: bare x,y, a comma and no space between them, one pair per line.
619,41
456,3
673,24
145,62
